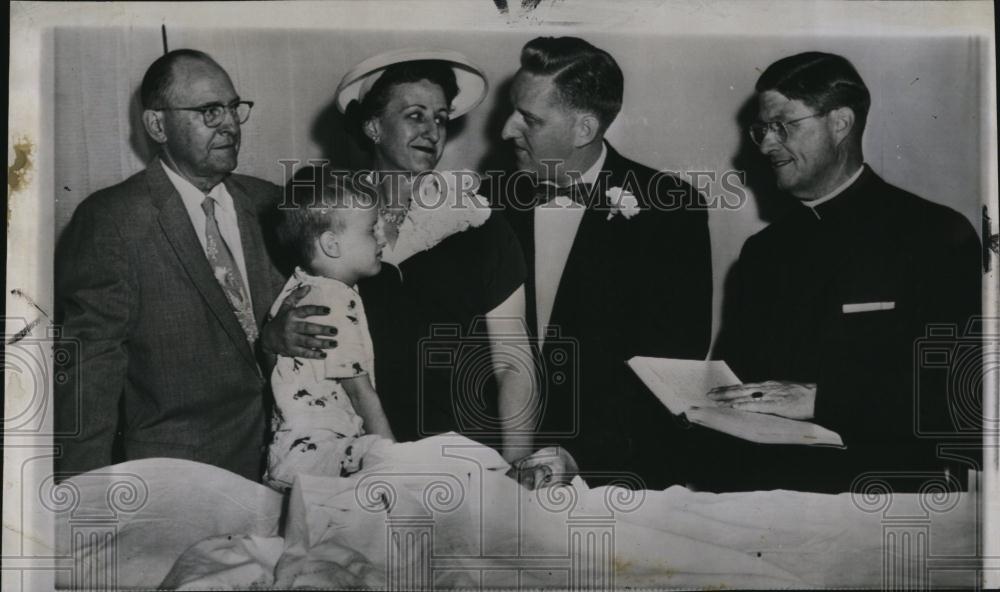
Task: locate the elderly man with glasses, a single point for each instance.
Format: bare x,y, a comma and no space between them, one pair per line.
163,281
830,303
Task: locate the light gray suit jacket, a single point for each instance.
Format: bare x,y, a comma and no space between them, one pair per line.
161,355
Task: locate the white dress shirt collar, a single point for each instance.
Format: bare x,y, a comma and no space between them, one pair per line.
593,172
590,177
194,196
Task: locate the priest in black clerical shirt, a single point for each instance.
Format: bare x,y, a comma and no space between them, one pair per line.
836,304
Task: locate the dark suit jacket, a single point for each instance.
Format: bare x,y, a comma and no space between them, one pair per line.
873,243
639,286
161,355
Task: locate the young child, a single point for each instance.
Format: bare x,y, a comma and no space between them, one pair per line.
324,407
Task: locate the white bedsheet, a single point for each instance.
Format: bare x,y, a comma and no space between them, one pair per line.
482,529
130,522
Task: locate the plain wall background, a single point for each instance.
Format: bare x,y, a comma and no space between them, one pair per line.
684,96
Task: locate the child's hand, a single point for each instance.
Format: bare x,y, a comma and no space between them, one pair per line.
288,335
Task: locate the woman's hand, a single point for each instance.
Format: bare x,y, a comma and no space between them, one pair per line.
544,468
288,335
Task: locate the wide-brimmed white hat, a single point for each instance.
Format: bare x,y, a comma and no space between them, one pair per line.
358,81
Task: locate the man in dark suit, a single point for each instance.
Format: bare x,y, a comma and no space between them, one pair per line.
619,265
832,302
164,280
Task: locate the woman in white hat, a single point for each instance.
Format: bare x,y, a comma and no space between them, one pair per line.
462,269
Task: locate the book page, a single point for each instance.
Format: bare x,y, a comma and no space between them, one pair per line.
763,428
682,384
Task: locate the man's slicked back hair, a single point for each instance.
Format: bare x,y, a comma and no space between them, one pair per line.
587,78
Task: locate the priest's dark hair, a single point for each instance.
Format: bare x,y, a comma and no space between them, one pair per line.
587,78
823,81
155,88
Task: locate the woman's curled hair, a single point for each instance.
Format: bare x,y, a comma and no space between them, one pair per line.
373,104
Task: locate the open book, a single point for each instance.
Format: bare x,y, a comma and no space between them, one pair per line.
682,385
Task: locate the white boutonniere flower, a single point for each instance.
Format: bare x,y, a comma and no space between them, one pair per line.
622,201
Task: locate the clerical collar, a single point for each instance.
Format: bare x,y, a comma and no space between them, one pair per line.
843,204
813,203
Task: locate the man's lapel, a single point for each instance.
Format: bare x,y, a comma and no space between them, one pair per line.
176,225
522,221
590,238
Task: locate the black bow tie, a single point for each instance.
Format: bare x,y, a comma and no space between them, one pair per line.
546,192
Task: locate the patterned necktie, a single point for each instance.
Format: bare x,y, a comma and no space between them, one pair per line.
226,272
